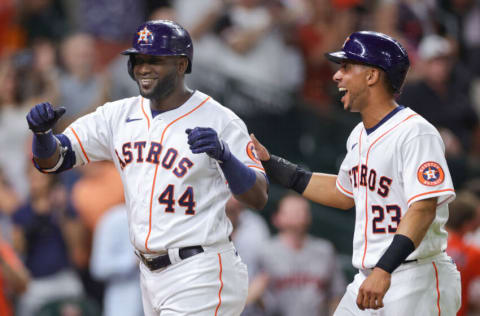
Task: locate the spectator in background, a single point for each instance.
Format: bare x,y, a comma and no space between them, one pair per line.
43,19
250,232
81,89
51,241
12,36
325,30
442,96
462,219
461,21
14,278
99,189
13,136
243,53
113,261
301,274
9,203
110,23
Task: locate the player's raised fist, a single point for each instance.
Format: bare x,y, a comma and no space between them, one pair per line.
42,117
206,140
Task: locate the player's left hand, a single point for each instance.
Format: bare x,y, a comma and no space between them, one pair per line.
206,140
373,289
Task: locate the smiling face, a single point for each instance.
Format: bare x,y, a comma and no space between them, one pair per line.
158,76
353,81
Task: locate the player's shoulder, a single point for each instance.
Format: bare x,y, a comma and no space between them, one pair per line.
212,104
415,125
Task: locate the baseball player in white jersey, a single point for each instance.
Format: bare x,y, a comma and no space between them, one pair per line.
396,176
181,155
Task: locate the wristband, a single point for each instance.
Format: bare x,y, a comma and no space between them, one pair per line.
287,174
240,178
44,145
400,248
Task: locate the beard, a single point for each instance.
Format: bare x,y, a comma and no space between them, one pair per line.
162,89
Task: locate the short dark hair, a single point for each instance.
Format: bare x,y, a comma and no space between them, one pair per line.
386,82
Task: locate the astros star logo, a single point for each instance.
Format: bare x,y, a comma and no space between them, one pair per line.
430,173
145,36
252,154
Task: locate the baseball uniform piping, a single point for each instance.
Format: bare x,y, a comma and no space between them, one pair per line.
156,167
144,113
221,284
366,187
425,193
253,166
438,290
150,213
80,143
343,189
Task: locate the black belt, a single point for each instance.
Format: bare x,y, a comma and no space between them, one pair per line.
164,260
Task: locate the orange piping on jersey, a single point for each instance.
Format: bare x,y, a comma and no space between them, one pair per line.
438,290
156,168
221,284
80,143
179,118
343,189
144,113
150,215
446,190
366,187
253,166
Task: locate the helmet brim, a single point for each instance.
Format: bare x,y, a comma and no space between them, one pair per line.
337,57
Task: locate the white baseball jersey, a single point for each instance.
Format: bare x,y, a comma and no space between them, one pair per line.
387,168
175,198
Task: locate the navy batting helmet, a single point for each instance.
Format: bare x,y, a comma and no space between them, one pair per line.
161,38
376,49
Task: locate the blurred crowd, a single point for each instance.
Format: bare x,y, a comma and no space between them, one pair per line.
64,246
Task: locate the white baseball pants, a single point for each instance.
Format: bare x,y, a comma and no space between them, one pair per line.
429,287
211,283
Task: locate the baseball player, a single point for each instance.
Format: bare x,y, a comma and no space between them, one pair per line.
181,155
395,175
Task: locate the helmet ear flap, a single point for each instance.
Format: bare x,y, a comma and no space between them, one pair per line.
130,64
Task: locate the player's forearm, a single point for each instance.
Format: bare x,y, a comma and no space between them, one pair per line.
322,189
256,197
418,219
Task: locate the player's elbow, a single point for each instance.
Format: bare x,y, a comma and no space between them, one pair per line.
262,201
345,203
256,199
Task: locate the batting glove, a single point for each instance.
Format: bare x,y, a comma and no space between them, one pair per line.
42,117
206,140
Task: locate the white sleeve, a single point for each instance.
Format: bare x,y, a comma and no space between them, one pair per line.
424,169
235,134
90,137
343,179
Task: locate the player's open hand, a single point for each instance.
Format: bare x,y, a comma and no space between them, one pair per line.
206,140
42,117
262,152
373,289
